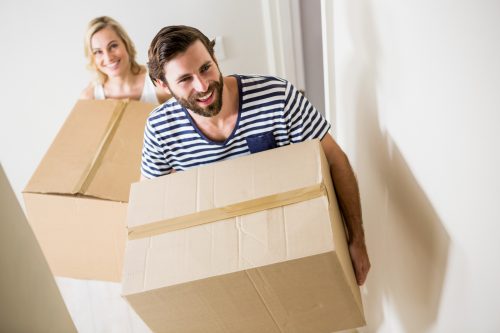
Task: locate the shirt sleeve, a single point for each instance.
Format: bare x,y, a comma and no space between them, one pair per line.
154,162
303,120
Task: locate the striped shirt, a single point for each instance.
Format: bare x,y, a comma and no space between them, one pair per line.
272,113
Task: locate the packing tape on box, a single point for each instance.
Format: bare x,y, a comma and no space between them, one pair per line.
84,182
226,212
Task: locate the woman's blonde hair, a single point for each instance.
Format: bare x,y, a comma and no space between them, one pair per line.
98,24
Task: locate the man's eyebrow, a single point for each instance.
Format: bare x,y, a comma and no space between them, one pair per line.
209,62
184,76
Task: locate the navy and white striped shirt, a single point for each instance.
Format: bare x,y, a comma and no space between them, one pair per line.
272,113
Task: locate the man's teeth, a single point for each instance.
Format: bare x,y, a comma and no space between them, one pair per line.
204,98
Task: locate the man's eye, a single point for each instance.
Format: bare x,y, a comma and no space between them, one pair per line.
205,68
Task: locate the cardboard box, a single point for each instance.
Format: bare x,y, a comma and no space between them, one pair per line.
29,298
254,244
76,200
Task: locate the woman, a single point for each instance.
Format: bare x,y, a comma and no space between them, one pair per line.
111,54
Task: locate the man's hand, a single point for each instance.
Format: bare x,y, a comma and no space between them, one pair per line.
360,260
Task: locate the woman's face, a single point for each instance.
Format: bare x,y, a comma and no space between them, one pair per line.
109,52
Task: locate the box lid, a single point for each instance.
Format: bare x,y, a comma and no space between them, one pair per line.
226,189
97,151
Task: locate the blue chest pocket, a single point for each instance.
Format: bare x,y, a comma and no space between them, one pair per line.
261,142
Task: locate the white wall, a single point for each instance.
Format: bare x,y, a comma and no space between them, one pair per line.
417,111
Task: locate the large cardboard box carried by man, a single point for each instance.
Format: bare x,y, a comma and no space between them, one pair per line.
76,200
254,244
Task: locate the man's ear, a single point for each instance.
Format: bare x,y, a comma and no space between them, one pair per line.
163,85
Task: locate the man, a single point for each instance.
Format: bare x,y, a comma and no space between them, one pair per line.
212,118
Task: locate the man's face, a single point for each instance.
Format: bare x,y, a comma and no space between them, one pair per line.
194,79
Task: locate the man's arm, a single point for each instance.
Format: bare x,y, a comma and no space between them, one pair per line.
346,188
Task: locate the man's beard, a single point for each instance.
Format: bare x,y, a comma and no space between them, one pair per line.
213,109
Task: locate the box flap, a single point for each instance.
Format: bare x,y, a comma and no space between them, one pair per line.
120,164
226,189
96,152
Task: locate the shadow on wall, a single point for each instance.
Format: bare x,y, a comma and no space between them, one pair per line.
407,242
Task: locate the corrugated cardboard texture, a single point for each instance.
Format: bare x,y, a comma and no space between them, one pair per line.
81,238
97,152
29,298
226,189
258,272
302,295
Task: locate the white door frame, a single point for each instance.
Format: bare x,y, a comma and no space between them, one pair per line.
328,62
284,40
284,47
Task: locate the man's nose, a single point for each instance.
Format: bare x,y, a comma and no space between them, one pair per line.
200,84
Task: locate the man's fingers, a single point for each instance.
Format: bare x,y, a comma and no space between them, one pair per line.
361,263
362,273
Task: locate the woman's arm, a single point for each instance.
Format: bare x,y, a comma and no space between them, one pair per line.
88,92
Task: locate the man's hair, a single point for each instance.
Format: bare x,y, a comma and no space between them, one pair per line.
168,43
97,25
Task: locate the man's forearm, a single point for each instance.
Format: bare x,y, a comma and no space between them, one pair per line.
346,188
